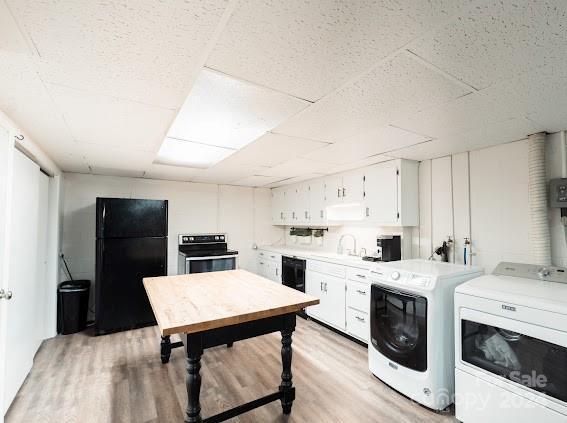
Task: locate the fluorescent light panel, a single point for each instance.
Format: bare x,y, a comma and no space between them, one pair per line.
225,113
190,154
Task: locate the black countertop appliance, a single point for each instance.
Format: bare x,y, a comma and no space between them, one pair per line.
131,244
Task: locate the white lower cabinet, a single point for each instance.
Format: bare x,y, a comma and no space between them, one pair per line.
270,265
357,324
331,292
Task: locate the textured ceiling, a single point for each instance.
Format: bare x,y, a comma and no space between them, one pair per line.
97,84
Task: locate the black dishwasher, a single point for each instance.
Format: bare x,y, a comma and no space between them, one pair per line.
293,275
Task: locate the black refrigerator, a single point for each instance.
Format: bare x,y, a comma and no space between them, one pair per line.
131,244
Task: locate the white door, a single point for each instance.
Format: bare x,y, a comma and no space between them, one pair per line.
313,286
353,187
334,301
381,193
6,158
334,190
21,312
317,212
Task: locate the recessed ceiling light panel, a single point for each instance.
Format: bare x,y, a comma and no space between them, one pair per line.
190,154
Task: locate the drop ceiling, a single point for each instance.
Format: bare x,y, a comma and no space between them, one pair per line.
316,87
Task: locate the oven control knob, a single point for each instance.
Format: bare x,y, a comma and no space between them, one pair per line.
222,237
395,276
543,272
191,238
216,238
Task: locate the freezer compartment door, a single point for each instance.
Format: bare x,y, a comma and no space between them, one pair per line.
121,300
130,218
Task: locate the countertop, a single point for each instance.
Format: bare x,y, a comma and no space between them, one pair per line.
325,256
202,301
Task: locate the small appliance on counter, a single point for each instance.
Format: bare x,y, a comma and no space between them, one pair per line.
389,249
200,253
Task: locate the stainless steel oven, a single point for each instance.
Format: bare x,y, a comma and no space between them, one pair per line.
200,253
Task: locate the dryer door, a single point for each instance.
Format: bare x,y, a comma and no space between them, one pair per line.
398,326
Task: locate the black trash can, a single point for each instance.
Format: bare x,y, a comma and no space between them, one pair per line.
72,306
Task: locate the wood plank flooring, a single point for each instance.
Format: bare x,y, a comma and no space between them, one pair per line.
119,378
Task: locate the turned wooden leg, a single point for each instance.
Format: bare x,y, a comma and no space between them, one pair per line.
194,353
165,349
286,387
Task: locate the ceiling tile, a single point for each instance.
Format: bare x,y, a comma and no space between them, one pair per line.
310,48
363,146
498,39
103,120
257,180
190,154
139,50
295,167
539,96
272,149
462,114
357,164
231,113
400,87
171,173
226,172
296,179
489,135
100,157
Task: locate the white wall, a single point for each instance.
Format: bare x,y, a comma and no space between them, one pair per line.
243,213
554,155
482,194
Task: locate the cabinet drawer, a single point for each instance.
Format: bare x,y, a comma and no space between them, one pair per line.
326,268
355,274
269,255
358,295
358,324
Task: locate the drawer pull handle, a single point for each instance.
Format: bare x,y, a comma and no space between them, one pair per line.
361,276
361,292
360,319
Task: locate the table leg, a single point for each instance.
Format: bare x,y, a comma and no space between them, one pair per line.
286,387
165,349
194,353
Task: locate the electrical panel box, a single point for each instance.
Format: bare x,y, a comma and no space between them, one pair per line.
558,193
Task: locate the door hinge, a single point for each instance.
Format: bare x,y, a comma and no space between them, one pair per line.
398,172
364,178
398,214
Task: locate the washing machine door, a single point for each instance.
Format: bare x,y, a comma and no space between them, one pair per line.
398,326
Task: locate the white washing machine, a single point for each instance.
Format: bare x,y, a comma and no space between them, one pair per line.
411,327
511,346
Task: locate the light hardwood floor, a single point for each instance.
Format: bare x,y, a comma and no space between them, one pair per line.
119,378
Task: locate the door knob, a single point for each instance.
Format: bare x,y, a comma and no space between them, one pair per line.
5,294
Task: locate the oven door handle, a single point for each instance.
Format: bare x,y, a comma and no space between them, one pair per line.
211,257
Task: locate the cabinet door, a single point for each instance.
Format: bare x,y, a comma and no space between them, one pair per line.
290,205
302,204
317,212
278,214
276,272
262,267
353,187
334,190
313,286
381,193
333,301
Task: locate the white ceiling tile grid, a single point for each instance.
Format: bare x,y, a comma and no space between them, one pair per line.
400,87
295,167
135,49
356,148
272,149
99,119
497,40
294,180
357,165
257,180
309,48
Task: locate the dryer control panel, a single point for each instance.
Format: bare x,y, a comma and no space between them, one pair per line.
532,271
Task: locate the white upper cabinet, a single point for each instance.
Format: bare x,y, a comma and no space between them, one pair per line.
345,188
387,191
278,206
353,187
391,193
317,202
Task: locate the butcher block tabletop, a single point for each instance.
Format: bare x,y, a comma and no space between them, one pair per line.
202,301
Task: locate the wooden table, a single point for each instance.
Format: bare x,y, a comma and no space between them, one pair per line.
218,308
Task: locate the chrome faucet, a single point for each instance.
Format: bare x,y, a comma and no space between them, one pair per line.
340,248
